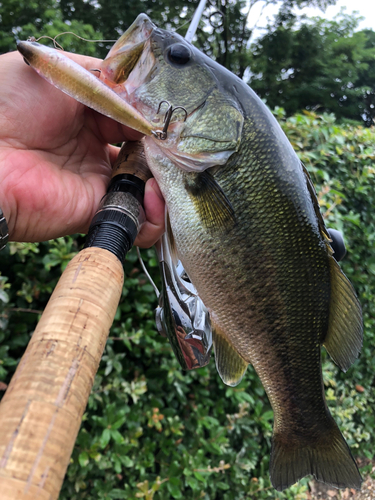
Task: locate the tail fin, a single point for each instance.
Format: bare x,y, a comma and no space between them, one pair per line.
328,459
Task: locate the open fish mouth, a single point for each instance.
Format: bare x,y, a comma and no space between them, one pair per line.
167,80
127,51
131,65
145,68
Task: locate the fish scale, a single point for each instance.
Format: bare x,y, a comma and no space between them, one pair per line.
248,274
272,287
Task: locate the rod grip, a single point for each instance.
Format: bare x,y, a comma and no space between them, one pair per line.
41,411
42,408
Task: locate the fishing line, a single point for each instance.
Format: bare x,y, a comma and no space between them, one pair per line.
156,290
194,21
182,25
57,45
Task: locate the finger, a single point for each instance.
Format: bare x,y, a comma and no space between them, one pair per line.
154,205
87,62
113,132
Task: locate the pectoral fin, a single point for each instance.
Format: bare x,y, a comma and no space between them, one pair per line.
345,330
213,206
170,238
229,364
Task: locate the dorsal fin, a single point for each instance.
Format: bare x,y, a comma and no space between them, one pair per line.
229,364
345,329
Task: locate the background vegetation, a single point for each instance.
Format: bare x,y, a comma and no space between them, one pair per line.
151,430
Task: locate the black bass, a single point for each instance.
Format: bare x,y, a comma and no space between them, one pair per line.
245,223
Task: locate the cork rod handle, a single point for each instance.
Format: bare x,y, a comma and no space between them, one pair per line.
41,412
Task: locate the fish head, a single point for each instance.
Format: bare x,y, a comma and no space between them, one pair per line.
158,71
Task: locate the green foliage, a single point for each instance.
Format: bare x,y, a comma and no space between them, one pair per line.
151,431
111,20
72,37
16,13
229,27
224,32
319,64
21,20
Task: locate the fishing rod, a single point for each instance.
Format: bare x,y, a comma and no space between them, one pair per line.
42,409
195,21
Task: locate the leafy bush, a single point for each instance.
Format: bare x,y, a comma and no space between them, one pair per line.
153,431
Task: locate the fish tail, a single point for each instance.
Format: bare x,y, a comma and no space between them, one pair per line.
328,459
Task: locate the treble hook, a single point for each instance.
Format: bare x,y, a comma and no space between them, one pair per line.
162,134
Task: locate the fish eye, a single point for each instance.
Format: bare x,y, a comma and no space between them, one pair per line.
179,54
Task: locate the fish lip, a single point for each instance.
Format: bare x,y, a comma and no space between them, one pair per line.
125,53
139,31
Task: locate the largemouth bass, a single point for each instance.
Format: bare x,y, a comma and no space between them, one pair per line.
244,220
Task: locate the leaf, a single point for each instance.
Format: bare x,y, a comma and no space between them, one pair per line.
4,297
83,459
222,486
118,494
193,483
268,415
199,476
116,436
117,463
126,461
105,438
174,487
118,423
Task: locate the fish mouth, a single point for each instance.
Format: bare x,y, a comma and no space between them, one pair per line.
127,51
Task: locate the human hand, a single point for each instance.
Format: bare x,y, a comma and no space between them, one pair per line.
55,158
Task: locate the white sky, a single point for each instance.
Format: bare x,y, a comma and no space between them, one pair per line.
366,9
